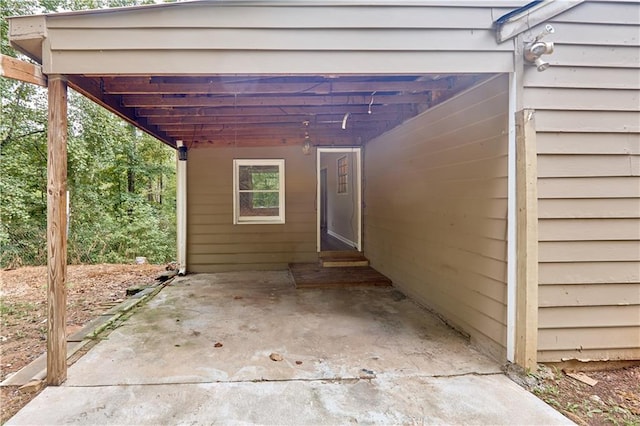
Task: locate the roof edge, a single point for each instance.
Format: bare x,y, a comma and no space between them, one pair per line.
281,3
26,34
530,15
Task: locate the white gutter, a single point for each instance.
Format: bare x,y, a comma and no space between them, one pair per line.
181,208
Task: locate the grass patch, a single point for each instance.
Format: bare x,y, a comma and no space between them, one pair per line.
16,310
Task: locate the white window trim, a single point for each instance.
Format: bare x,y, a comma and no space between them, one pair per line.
253,220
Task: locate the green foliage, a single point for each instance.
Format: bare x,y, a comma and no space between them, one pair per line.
121,182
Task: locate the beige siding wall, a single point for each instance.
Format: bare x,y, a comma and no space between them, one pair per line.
215,244
588,136
436,208
276,37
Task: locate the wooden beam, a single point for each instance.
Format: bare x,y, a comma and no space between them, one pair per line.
296,127
56,231
254,100
526,241
194,86
250,134
260,142
21,70
271,119
242,111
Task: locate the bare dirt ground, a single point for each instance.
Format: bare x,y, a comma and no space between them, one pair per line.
613,400
93,289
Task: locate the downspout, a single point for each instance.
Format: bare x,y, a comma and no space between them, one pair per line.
181,206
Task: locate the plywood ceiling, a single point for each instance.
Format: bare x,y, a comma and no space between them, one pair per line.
270,110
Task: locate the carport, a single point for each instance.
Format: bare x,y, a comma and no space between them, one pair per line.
423,90
247,347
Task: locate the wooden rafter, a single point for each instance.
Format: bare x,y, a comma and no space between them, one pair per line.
255,133
270,127
267,110
257,111
262,142
320,119
22,71
248,100
125,85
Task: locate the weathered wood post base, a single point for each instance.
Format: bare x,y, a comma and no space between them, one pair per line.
56,231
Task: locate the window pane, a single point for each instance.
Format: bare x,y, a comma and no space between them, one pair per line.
244,177
259,191
259,178
259,204
343,173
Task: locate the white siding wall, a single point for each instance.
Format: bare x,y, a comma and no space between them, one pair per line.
436,207
588,136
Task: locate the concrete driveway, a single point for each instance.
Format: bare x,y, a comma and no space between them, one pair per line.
248,348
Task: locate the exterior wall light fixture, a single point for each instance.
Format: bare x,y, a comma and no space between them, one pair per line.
182,153
306,145
535,49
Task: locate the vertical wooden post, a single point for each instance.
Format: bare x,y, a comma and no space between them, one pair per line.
56,231
527,240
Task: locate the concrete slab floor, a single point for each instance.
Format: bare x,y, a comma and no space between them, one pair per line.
199,353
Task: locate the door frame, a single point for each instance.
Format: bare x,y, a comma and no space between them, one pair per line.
322,206
358,153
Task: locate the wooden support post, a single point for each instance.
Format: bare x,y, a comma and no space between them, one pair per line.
527,241
56,232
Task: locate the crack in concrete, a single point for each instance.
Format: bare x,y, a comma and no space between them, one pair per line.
327,379
346,380
471,373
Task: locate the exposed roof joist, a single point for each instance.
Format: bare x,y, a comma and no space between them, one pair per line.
267,110
146,101
202,86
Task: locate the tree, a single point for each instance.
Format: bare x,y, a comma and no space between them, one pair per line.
121,181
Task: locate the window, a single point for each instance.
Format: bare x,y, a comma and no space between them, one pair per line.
343,172
258,191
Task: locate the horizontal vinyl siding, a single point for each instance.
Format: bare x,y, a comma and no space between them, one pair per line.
435,210
215,244
263,38
588,139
